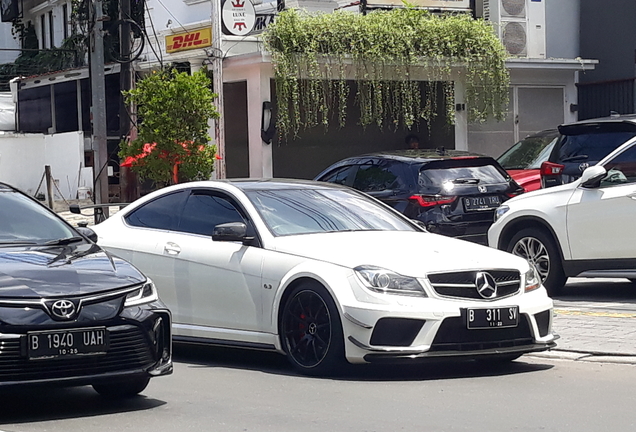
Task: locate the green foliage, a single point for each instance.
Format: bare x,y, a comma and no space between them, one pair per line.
388,53
174,109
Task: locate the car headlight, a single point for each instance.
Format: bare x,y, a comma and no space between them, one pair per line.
147,293
385,281
533,280
500,211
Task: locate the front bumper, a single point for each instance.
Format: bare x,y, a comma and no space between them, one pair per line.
140,345
439,329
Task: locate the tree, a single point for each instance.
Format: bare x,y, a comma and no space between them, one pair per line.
314,54
172,140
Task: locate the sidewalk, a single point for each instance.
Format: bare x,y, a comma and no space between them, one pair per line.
585,334
594,336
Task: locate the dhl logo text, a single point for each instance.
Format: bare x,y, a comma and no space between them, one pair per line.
196,39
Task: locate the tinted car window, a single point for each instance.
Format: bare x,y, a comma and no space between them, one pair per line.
374,177
486,174
161,213
621,169
304,211
203,211
25,220
529,153
339,175
591,147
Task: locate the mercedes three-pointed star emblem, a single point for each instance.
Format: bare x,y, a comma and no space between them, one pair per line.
486,285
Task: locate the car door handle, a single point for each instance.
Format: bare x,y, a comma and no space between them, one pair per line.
172,248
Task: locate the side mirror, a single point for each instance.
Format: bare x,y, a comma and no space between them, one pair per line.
386,193
75,209
592,176
419,224
87,232
231,231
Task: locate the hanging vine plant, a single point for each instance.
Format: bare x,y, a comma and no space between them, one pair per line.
388,54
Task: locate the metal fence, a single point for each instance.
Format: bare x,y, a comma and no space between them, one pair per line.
600,99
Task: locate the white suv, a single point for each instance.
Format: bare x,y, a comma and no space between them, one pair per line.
586,228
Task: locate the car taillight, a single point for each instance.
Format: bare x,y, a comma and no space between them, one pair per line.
432,200
550,168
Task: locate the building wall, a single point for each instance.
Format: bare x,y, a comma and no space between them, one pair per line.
608,33
7,41
23,157
562,28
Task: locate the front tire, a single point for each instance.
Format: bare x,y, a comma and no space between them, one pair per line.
540,249
311,330
122,389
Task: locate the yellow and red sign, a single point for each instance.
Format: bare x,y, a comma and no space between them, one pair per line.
190,40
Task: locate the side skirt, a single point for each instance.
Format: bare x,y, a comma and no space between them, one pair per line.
623,268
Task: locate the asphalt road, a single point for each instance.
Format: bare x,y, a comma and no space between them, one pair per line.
233,390
216,389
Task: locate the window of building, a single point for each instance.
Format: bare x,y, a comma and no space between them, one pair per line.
65,20
51,31
43,31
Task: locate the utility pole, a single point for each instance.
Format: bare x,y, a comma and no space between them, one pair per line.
217,83
127,180
98,106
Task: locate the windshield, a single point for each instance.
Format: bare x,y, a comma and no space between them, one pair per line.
23,221
530,152
308,211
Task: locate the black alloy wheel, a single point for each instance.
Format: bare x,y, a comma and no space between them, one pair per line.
122,389
311,330
540,250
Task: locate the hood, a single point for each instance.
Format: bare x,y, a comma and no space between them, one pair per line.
71,270
529,179
408,253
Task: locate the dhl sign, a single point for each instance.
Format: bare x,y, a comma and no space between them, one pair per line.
191,40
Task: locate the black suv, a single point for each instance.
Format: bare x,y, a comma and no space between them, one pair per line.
454,193
584,144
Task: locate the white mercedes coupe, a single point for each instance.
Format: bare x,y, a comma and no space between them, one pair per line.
325,274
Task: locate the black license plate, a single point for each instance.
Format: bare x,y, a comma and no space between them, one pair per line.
481,203
498,317
67,343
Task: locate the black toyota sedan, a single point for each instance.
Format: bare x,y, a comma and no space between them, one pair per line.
70,313
454,193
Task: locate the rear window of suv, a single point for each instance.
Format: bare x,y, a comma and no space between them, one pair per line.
591,146
484,174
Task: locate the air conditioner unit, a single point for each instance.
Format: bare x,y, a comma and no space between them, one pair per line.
520,25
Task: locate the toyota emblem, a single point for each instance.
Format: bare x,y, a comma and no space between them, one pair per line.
64,309
486,285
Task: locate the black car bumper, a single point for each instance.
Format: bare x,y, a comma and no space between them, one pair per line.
139,345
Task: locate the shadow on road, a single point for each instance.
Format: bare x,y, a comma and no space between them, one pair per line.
273,363
37,404
598,290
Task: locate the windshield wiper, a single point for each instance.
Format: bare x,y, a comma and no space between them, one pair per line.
17,242
63,241
469,180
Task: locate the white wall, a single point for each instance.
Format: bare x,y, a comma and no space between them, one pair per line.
562,28
23,157
7,41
